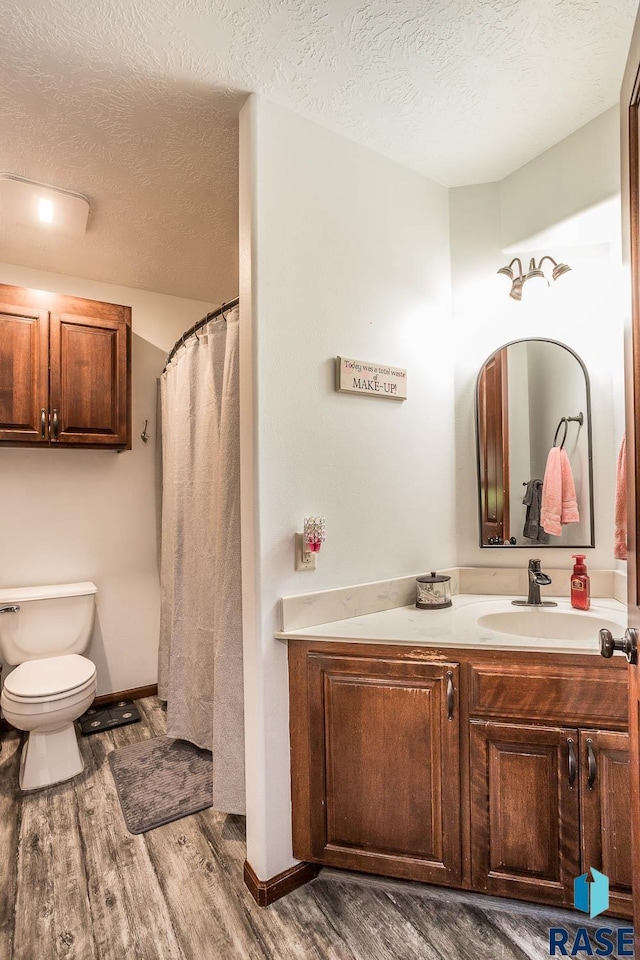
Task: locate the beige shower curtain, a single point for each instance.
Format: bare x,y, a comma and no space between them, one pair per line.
200,658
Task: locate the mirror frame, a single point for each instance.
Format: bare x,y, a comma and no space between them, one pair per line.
542,546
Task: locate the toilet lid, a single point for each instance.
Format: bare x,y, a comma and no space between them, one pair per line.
47,677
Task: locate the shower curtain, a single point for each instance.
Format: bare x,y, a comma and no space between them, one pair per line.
200,658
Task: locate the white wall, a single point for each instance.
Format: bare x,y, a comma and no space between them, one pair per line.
342,252
580,173
583,310
91,514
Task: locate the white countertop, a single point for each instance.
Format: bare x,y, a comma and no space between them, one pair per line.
457,626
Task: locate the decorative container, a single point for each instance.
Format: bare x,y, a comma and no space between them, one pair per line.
434,592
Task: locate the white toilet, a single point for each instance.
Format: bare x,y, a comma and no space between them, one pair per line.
44,630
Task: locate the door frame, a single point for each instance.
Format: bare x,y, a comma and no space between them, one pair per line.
630,195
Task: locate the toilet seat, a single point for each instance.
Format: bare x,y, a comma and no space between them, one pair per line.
50,679
10,698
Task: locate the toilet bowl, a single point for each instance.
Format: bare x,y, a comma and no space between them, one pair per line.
44,697
42,630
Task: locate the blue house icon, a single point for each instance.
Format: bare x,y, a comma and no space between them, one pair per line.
591,893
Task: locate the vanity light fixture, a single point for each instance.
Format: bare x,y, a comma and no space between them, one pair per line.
35,204
533,273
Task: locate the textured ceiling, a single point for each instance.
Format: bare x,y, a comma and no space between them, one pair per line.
135,105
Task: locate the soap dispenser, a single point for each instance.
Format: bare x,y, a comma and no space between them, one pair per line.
580,591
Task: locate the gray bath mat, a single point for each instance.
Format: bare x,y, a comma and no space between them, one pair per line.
161,780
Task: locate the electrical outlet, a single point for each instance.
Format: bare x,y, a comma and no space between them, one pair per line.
305,559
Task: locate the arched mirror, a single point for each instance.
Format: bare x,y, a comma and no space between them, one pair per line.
533,395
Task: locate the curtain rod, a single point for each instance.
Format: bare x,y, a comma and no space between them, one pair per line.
229,305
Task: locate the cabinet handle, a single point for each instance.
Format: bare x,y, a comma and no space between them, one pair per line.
573,766
43,423
591,759
449,695
55,424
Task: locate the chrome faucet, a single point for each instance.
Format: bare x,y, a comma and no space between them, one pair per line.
537,579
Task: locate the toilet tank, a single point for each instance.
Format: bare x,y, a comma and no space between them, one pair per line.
52,621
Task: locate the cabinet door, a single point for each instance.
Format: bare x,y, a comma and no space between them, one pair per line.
524,811
385,766
24,374
89,379
605,798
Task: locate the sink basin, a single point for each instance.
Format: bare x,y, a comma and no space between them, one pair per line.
550,624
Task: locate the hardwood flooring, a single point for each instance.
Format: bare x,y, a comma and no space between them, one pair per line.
75,885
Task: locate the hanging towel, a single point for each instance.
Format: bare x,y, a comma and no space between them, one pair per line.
620,515
533,502
559,504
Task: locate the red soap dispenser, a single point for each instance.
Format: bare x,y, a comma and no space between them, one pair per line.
580,591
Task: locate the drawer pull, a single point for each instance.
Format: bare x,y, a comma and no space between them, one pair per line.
449,695
55,424
43,423
591,759
573,766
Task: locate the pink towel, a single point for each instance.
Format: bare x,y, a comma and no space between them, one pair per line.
559,504
620,514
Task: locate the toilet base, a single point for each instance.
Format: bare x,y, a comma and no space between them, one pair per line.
50,757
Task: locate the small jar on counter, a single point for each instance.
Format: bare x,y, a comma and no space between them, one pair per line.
434,592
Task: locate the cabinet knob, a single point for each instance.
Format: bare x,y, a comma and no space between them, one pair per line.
627,644
43,423
55,424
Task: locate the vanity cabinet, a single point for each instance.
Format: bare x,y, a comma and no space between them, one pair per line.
549,800
382,767
605,812
64,371
547,804
525,832
501,773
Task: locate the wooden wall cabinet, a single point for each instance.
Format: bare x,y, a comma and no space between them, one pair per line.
64,371
434,765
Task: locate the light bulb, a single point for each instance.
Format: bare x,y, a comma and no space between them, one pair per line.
535,288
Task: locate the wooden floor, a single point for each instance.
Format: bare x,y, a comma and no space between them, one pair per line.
74,884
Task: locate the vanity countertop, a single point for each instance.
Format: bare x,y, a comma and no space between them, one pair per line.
457,626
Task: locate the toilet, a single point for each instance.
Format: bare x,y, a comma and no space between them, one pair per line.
44,631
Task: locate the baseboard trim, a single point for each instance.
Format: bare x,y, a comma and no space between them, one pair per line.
135,693
265,892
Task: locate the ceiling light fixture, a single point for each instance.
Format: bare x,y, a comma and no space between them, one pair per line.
533,273
45,210
33,204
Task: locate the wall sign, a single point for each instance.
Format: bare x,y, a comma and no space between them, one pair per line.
373,379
